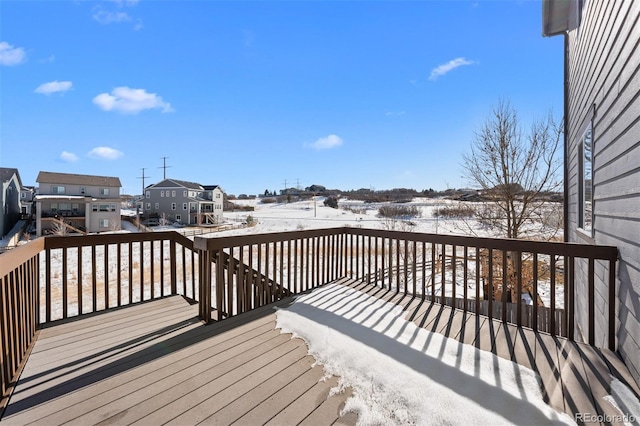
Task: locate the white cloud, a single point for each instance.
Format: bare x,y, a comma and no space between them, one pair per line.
53,87
105,153
449,66
49,59
331,141
130,101
68,157
10,55
104,17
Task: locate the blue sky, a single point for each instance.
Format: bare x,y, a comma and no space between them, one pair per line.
347,94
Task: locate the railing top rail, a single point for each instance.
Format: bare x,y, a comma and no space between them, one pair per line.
508,244
12,259
527,246
56,242
216,243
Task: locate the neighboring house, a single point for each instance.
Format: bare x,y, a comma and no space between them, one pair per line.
9,199
85,203
27,208
184,202
602,153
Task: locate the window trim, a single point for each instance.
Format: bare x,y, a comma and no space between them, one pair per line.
585,224
58,189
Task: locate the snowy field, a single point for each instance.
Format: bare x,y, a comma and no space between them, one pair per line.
313,214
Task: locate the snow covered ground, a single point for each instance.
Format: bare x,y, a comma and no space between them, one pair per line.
313,214
402,374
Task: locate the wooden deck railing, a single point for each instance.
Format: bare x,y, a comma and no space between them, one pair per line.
19,313
484,275
54,278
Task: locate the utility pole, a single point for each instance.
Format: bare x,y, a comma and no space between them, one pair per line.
164,167
285,185
143,177
298,184
142,195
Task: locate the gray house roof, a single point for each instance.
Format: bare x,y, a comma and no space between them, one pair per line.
172,183
74,179
6,173
211,187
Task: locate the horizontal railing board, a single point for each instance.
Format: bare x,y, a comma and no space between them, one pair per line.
506,244
11,260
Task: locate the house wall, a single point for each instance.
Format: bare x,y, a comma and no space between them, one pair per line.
217,196
165,202
85,190
604,89
93,196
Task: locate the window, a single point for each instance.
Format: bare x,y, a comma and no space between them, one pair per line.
173,206
23,195
173,193
161,193
54,207
64,206
94,207
184,193
104,191
104,223
585,163
148,194
83,189
157,206
148,206
178,217
218,195
75,207
57,189
184,206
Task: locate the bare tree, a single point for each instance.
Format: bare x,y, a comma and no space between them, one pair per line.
514,169
59,228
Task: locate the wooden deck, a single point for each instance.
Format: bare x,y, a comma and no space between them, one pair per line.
155,363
